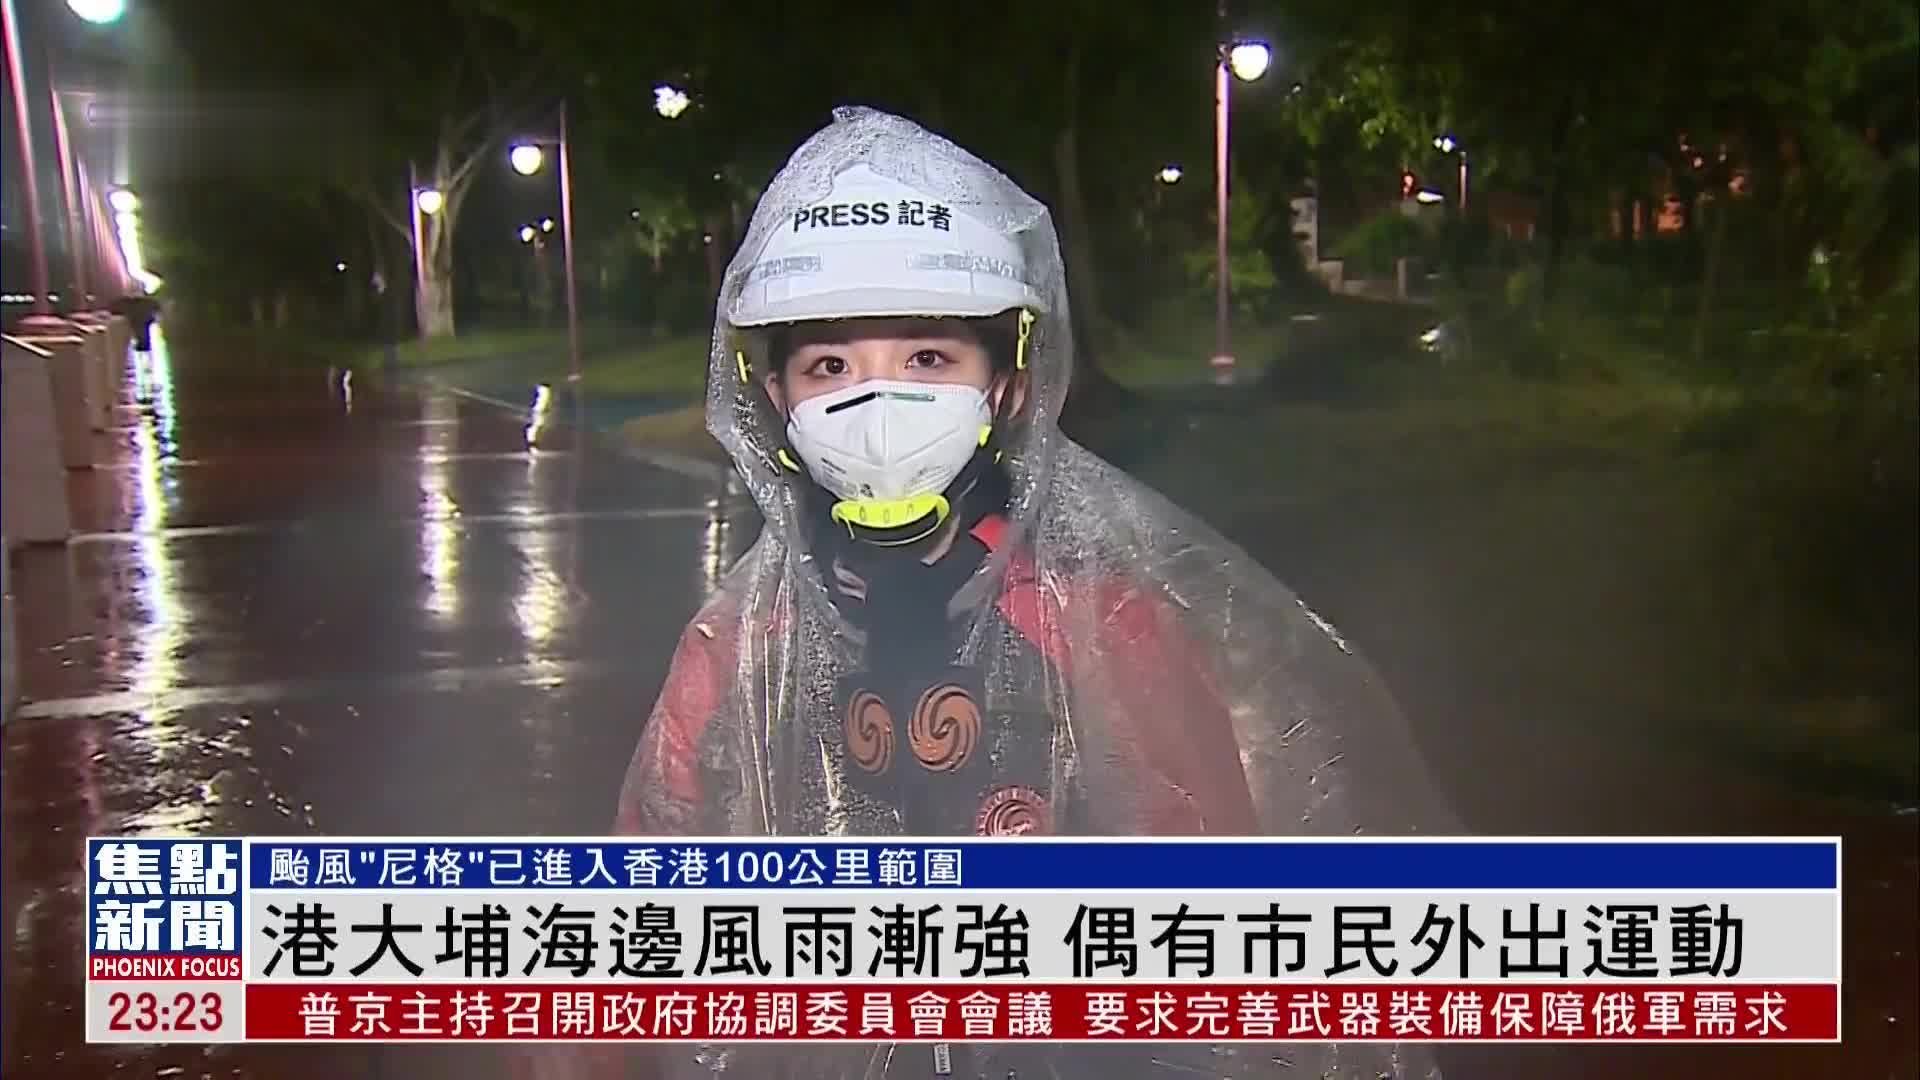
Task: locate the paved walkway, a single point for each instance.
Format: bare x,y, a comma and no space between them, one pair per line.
303,605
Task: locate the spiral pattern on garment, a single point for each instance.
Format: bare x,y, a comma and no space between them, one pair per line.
1012,811
944,728
869,728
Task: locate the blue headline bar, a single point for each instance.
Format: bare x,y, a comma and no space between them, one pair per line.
1063,866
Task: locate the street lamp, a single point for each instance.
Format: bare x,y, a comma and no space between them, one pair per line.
123,201
527,233
339,268
90,259
527,157
1247,61
1171,174
98,12
422,202
30,175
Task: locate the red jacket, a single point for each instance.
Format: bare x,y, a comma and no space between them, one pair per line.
1174,742
1174,746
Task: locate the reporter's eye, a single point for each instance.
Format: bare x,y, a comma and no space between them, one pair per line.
828,366
927,358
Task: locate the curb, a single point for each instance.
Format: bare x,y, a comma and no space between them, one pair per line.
662,459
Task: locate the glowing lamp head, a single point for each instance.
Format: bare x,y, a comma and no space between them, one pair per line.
527,234
546,224
1249,60
670,101
1171,174
1445,144
98,12
429,201
123,201
526,159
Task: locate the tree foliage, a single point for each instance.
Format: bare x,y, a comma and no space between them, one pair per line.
1583,110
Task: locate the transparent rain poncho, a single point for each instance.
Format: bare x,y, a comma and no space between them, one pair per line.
1183,690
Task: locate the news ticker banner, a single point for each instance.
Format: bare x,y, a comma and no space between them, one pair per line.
1572,940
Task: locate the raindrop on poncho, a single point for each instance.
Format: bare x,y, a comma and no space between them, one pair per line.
1147,677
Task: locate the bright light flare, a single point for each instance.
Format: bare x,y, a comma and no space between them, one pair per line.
429,200
1445,144
670,101
123,201
98,12
526,159
126,225
538,413
1249,60
1428,197
546,224
1171,174
527,233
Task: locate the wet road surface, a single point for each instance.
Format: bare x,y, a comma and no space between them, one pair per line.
302,607
306,606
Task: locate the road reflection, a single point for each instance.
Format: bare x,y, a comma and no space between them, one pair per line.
160,632
439,511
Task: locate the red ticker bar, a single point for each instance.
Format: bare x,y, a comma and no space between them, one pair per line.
1464,1012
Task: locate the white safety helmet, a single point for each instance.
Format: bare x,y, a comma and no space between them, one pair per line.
888,451
875,247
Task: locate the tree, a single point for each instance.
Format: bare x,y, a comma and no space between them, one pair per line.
436,86
1083,109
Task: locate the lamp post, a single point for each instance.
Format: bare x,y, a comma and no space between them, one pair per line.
527,158
1447,144
421,202
99,13
534,236
30,179
1246,61
74,192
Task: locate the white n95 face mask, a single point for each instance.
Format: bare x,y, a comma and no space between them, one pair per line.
889,449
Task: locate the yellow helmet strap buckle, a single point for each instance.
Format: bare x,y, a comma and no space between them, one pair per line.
892,522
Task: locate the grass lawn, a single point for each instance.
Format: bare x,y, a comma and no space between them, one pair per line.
671,366
1714,571
614,361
